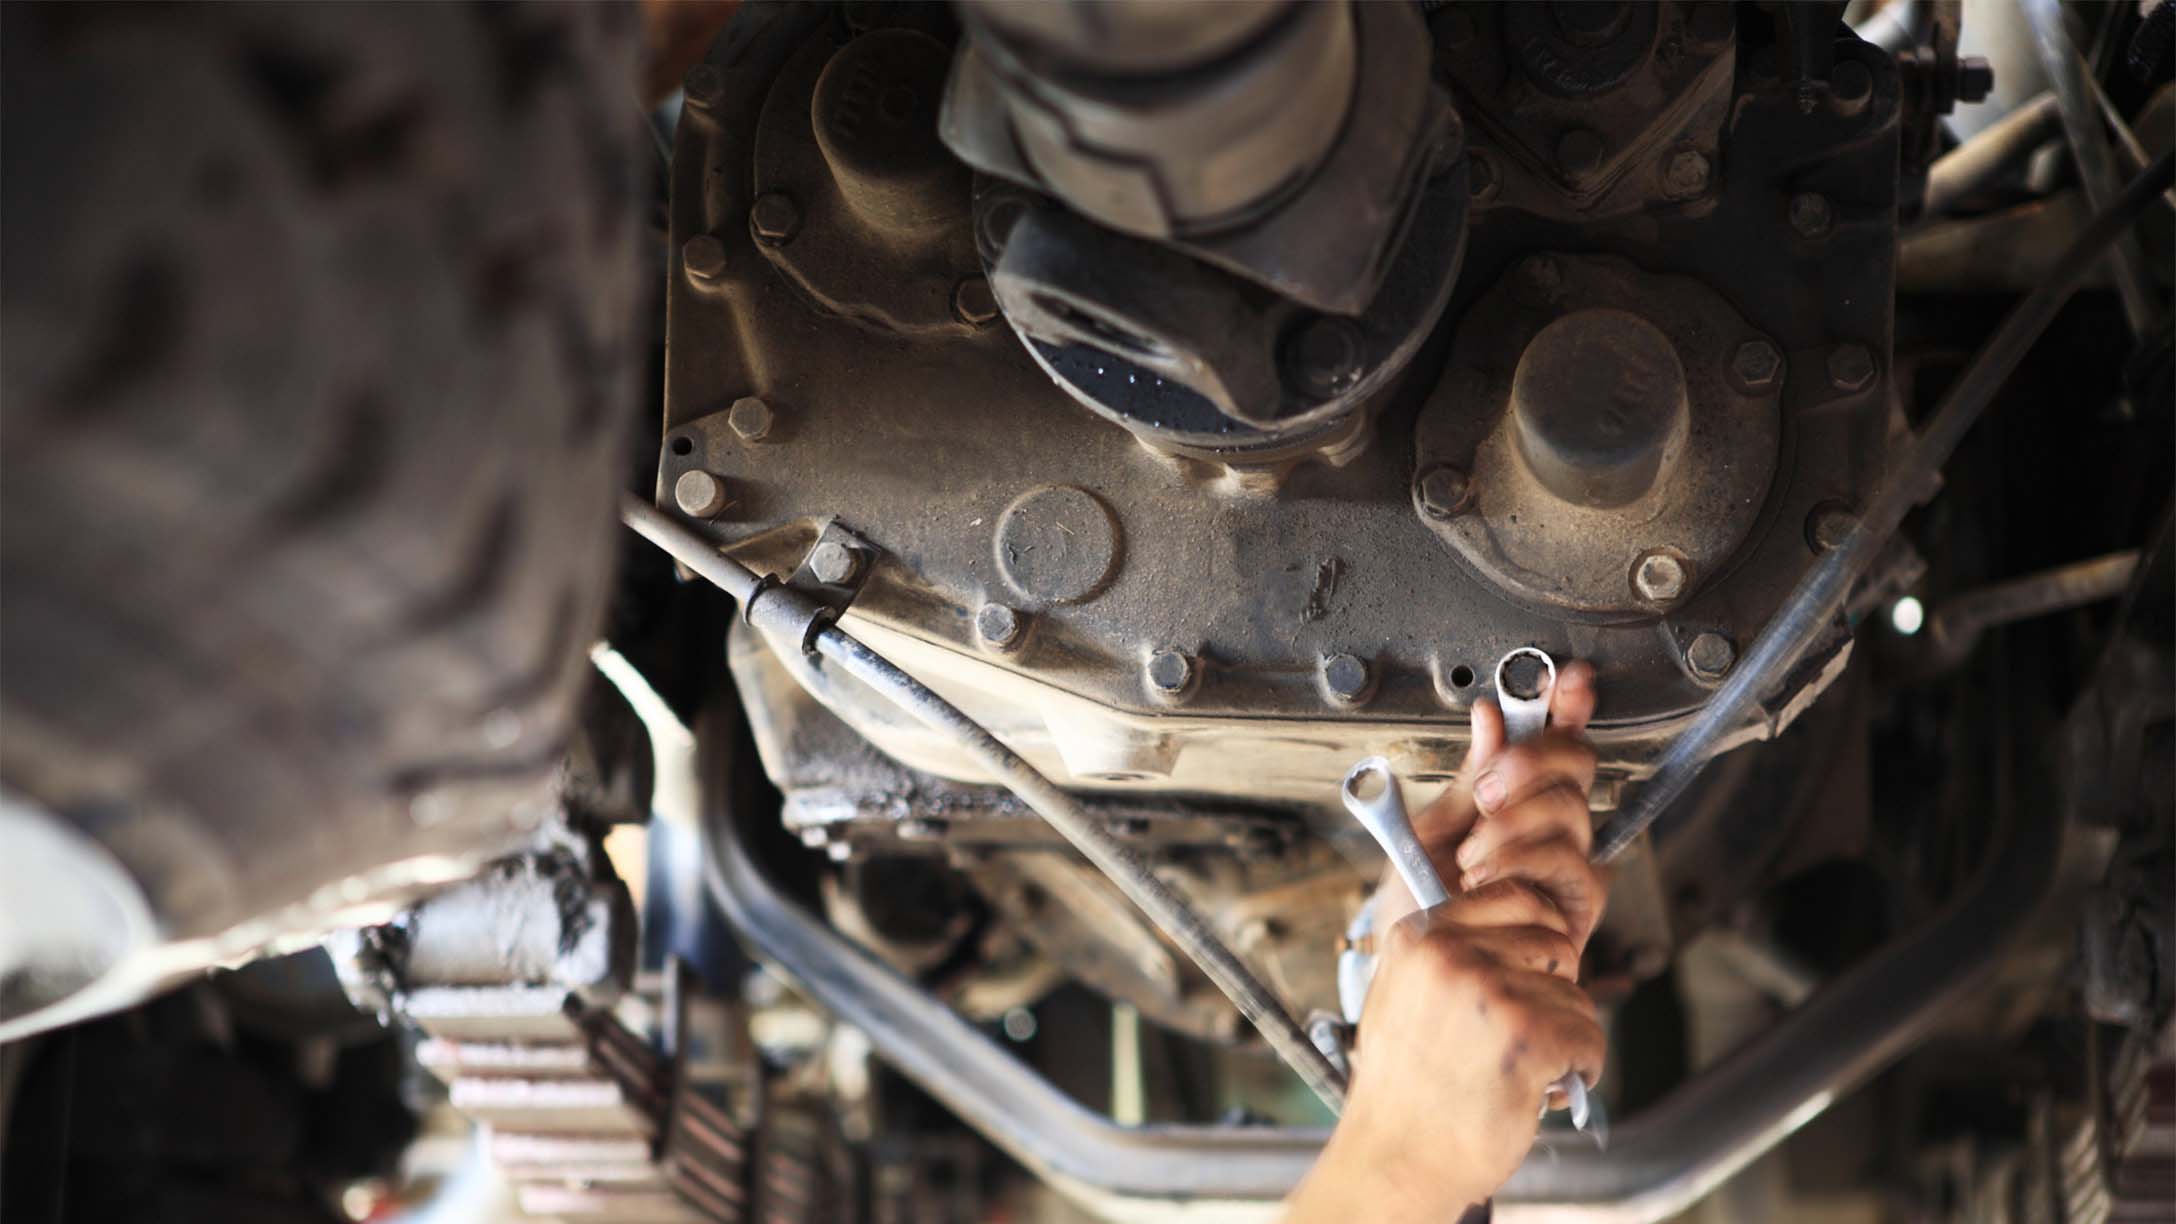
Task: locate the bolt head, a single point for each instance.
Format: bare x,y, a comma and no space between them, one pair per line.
774,218
1850,367
1345,677
1540,280
1685,175
1810,214
998,626
1756,365
973,302
1828,527
833,563
750,419
1710,656
1443,491
698,494
1579,155
839,852
1322,358
1975,79
919,829
1170,672
703,86
704,257
1659,576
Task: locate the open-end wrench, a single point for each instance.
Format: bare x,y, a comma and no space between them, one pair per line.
1370,792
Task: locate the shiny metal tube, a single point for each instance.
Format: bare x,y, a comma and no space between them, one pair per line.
1993,151
1957,623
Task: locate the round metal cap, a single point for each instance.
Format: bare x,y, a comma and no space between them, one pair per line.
1598,397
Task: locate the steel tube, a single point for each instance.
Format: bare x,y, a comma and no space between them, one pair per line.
2072,83
1957,623
1994,151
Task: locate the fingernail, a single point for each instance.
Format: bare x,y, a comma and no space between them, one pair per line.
1476,878
1489,792
1469,853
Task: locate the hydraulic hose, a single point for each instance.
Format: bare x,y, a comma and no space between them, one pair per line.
1814,603
1166,908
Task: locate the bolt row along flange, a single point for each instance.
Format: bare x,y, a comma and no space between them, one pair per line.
1603,439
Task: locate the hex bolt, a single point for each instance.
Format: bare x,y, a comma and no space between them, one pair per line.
1659,576
1443,491
833,563
815,837
1579,155
1686,174
998,626
920,829
1756,365
750,419
1828,527
698,493
1322,357
704,257
703,86
1346,678
1540,280
972,301
1710,656
1850,367
1851,86
839,852
1810,214
1170,673
1482,181
774,218
1975,79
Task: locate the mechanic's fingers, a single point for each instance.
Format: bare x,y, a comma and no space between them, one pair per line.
1559,868
1557,811
1505,903
1571,702
1522,769
1536,949
1488,735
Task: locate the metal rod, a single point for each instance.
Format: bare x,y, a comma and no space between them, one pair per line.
1996,150
2071,81
1957,623
1813,604
1171,913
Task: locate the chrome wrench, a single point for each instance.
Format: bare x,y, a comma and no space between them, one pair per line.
1370,792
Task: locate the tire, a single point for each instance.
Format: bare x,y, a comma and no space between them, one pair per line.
319,333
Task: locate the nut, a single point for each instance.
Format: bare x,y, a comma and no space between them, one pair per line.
1810,214
1659,576
1345,678
1170,672
1686,174
1579,155
1828,527
1975,79
1540,280
698,493
1710,656
774,218
1443,491
750,419
1850,367
1756,365
998,626
833,563
704,257
972,301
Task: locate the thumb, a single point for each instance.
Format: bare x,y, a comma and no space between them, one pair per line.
1488,737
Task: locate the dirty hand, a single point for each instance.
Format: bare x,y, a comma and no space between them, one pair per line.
1474,1012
